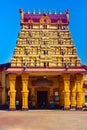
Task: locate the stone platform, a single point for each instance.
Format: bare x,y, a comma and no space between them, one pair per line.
43,120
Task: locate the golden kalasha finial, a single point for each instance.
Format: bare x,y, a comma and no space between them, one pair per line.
49,12
54,11
39,12
67,15
67,11
28,12
22,15
33,11
44,11
21,11
60,12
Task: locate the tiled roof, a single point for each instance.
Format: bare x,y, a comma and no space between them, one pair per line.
84,66
58,70
5,65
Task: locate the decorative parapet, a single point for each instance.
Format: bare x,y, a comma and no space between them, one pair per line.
44,18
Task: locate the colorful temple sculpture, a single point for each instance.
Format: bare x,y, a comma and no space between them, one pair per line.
45,68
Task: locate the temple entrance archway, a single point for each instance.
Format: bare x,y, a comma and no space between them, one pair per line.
42,99
42,94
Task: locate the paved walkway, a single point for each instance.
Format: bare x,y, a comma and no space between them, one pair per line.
43,120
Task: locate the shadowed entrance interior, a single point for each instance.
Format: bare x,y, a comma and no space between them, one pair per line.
42,99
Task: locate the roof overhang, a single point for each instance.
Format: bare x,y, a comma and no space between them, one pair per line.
42,71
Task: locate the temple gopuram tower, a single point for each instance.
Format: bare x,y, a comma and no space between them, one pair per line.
45,67
45,40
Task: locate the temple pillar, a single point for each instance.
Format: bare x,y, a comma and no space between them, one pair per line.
83,99
79,85
61,93
12,78
25,92
66,78
73,93
61,103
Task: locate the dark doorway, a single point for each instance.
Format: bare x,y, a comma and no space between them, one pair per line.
42,99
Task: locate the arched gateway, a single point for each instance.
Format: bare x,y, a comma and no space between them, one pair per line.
45,67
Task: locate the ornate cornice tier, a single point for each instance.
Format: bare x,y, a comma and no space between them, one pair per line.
27,18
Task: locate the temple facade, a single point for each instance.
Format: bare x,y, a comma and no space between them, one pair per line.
45,67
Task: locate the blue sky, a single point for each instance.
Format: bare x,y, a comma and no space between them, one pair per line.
10,23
